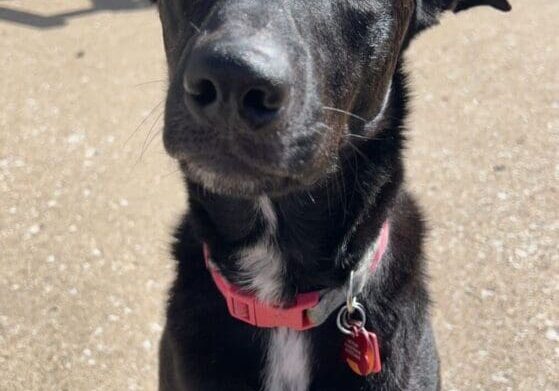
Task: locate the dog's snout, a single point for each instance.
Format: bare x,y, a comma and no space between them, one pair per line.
237,83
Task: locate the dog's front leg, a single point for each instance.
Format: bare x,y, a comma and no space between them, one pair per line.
174,377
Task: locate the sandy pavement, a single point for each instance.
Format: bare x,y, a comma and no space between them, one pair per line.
88,198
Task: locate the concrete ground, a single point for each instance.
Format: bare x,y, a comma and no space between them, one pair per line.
88,198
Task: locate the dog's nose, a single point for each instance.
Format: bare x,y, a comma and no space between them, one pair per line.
230,82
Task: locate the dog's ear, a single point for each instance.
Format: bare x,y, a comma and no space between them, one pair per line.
462,5
428,11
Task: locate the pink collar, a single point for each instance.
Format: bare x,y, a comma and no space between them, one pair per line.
306,313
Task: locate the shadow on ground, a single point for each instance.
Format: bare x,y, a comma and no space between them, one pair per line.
39,21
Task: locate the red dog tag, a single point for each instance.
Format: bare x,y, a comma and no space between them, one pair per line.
361,352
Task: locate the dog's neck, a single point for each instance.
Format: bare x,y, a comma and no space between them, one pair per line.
307,240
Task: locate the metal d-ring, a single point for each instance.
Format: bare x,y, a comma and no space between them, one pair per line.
350,298
345,323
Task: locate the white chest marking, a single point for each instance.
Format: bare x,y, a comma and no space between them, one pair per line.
288,363
261,264
261,269
287,366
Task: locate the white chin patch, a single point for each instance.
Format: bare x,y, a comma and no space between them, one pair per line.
216,182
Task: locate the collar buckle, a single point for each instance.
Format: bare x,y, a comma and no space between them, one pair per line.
249,309
254,312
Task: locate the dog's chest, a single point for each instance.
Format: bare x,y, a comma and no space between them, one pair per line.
288,361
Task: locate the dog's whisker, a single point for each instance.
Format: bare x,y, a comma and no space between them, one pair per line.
311,197
144,150
165,176
353,167
340,188
348,113
356,149
143,122
149,82
359,136
198,30
149,139
151,130
150,142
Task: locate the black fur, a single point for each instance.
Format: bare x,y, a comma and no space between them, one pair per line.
330,201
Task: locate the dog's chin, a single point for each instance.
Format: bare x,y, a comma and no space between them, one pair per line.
242,182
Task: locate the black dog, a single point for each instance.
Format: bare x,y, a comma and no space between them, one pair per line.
301,242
